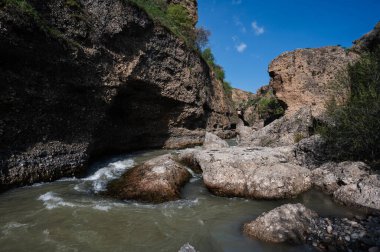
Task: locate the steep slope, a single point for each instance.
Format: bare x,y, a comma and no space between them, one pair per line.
82,78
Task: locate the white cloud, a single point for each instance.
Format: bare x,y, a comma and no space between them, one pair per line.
240,25
258,29
241,47
236,2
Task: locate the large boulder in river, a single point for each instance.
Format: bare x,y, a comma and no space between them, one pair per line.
363,195
259,173
285,131
214,142
288,223
81,79
157,180
351,183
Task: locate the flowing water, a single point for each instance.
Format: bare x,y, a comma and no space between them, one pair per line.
69,215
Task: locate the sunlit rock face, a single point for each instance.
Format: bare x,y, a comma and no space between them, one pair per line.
304,77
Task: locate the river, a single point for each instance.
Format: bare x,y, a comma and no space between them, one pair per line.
71,215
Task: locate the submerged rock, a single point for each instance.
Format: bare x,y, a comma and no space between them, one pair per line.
187,248
157,180
288,223
260,173
214,142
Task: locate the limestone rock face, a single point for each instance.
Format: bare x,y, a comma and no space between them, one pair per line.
214,142
96,78
157,180
285,131
301,77
260,173
287,223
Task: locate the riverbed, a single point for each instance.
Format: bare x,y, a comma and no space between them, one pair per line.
72,215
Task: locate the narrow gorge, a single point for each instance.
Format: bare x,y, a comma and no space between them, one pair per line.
119,134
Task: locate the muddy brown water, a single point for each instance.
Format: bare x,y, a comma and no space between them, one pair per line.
69,215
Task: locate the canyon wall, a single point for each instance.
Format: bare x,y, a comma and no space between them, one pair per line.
85,78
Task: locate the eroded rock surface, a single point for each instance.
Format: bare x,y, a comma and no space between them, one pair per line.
94,78
157,180
288,223
302,77
285,131
260,173
214,142
350,183
294,223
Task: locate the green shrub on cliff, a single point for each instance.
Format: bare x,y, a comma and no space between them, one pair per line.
173,16
220,75
353,131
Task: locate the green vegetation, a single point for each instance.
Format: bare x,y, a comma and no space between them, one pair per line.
175,17
24,7
217,69
266,105
74,4
298,137
353,131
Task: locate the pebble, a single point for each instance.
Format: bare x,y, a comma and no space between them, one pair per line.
329,229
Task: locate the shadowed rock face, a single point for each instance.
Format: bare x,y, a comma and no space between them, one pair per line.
98,77
157,180
302,77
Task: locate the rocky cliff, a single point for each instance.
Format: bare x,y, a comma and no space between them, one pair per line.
302,77
369,41
83,78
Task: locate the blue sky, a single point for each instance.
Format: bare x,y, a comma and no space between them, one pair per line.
247,34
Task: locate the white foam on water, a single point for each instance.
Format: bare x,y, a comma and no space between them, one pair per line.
52,200
102,208
111,171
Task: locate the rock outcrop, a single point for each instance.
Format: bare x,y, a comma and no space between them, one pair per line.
257,110
369,41
287,223
302,77
287,130
294,223
83,78
259,173
350,183
214,142
157,180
